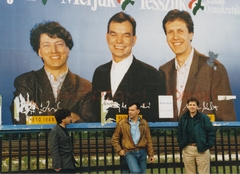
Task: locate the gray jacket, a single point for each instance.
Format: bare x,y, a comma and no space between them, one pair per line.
61,149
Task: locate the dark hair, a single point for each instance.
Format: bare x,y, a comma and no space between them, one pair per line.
193,100
173,15
61,114
122,17
135,103
53,30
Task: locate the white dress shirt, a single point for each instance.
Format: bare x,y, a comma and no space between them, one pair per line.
182,77
118,70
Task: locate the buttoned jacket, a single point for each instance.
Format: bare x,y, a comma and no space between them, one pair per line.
141,83
35,86
205,83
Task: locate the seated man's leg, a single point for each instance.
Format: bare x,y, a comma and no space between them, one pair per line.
142,160
132,162
189,159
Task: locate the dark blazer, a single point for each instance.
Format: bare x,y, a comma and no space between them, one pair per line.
204,83
35,86
61,149
141,83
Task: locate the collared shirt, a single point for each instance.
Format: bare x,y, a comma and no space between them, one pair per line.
182,77
118,70
190,129
135,132
56,84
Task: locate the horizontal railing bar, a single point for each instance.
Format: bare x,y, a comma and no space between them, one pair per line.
97,126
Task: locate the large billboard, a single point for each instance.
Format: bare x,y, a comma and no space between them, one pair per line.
216,26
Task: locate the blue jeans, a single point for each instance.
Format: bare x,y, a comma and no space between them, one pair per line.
136,161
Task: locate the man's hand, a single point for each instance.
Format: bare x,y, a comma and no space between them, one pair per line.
151,159
57,170
121,153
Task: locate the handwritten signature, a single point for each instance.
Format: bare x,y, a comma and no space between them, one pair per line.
209,107
206,106
27,107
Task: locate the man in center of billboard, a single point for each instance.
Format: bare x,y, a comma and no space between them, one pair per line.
125,79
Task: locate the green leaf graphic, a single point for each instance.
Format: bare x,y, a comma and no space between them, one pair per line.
44,2
125,3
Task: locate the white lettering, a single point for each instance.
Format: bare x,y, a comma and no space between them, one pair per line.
94,8
222,10
47,108
88,2
69,1
211,107
27,107
103,3
124,106
206,106
220,2
164,5
146,105
93,3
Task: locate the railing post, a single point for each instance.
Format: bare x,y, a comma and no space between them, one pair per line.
0,153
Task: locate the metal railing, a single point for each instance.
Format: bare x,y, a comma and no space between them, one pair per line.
24,148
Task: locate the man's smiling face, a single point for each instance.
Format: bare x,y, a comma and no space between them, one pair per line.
178,38
54,52
120,40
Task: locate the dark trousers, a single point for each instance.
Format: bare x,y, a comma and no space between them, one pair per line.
66,171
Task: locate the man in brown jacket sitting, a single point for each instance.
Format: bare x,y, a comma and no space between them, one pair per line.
132,140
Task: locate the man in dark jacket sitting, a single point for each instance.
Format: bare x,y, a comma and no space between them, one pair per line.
196,136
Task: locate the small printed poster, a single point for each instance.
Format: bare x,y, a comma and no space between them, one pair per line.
165,105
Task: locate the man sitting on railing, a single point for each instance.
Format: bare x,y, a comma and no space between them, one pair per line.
134,133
